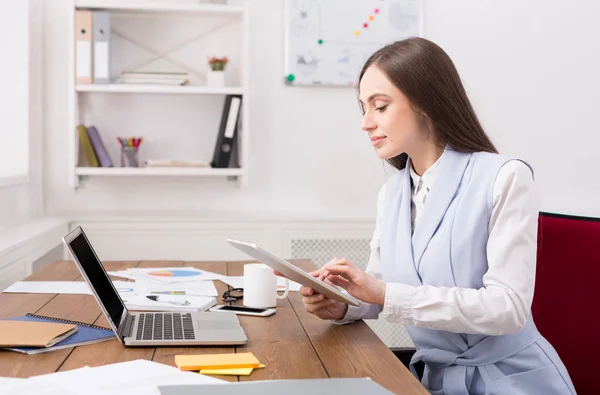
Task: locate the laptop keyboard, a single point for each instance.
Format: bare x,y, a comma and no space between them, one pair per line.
165,326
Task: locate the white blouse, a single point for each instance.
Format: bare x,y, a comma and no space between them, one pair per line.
503,305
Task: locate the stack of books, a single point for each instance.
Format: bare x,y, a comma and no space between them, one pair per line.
153,78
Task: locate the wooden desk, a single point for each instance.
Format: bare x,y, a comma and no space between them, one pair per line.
292,343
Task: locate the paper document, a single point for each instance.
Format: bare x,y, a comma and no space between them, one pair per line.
123,274
198,288
139,377
168,275
50,287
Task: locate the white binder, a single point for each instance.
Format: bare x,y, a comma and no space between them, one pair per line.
101,40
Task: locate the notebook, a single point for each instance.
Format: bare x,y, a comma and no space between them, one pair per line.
217,361
86,334
33,334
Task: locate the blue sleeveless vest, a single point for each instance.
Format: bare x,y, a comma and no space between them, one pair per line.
448,249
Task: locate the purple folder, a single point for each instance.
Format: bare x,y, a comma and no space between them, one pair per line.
98,145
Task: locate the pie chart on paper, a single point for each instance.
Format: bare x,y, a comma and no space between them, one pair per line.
174,273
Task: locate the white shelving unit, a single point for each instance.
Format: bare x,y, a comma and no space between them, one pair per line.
177,89
80,94
157,171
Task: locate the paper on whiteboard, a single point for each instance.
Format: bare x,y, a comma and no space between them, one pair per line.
328,41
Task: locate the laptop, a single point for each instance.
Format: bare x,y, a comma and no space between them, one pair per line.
150,328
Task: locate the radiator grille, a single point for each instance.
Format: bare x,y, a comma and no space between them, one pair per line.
321,251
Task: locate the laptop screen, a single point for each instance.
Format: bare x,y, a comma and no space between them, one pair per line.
99,280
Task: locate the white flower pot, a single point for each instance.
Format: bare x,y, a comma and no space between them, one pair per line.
215,78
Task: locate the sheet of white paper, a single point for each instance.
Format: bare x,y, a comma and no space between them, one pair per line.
197,288
28,386
139,377
238,282
124,274
171,275
50,287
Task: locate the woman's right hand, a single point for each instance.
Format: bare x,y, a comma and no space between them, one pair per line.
320,305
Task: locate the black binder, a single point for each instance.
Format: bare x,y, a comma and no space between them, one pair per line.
228,130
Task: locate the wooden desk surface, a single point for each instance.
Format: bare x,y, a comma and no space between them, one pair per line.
291,343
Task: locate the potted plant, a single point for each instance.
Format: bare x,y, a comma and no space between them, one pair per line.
216,74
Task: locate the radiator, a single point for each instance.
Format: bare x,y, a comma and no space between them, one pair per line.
357,251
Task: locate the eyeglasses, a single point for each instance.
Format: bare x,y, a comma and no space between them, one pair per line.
233,294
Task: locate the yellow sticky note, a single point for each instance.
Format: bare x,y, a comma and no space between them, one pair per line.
230,372
216,361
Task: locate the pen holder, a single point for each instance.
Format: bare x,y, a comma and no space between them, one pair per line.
129,157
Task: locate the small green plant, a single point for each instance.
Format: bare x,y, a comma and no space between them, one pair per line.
218,64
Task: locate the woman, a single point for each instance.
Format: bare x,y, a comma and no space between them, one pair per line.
453,254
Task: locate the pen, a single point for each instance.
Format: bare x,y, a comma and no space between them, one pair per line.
157,298
168,292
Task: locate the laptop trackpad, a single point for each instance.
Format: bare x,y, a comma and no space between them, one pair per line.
215,325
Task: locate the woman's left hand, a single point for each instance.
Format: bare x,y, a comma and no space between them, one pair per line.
355,281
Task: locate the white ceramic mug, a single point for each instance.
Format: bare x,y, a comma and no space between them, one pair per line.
260,286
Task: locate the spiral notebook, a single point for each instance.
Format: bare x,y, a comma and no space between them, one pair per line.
86,334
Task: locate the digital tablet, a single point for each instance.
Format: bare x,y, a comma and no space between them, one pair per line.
292,272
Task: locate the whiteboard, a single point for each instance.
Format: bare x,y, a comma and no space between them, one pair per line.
328,41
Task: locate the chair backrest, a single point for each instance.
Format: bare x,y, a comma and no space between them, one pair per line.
566,305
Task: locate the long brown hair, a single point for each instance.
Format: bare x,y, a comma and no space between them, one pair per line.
430,81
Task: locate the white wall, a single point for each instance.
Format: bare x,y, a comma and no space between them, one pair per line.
530,68
21,202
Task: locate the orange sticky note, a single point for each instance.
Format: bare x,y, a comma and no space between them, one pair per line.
230,372
216,361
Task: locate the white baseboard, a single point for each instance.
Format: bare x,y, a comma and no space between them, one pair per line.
22,245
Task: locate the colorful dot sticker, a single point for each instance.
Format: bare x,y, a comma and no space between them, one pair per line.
320,42
365,25
290,77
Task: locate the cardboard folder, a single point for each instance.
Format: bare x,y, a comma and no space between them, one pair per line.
33,334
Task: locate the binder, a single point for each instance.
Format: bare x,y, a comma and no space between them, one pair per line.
99,148
83,46
85,334
101,40
228,131
86,145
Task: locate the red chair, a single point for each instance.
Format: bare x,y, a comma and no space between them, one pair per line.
566,304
